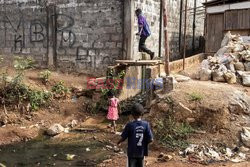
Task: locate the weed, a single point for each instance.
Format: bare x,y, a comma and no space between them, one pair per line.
117,82
15,92
38,98
22,64
172,134
59,90
44,76
195,96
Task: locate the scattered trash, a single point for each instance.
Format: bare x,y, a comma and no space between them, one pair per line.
2,165
107,161
239,158
164,157
245,136
118,133
87,150
207,154
74,99
70,157
72,124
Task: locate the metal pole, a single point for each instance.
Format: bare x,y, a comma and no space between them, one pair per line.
185,36
165,20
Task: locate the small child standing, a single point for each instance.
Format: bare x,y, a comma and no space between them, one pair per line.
113,114
139,135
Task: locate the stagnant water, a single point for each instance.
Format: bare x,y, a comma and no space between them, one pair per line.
46,152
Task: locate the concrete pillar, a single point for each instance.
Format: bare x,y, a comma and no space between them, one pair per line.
52,39
128,29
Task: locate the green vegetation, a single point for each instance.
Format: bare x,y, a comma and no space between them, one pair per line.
59,90
44,76
169,132
113,83
194,96
15,92
22,64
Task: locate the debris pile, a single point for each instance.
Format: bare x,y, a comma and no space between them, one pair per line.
209,154
230,62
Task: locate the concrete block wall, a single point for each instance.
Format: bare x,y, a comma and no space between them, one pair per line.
151,9
89,32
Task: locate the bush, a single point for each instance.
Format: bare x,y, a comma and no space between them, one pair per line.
21,63
44,76
59,90
38,99
15,92
171,133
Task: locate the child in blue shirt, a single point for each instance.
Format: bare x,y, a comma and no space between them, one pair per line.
139,135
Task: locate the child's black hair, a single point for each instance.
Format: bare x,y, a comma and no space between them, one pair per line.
138,11
111,94
137,110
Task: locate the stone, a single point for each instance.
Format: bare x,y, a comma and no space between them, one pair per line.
245,136
181,78
55,130
244,149
239,103
191,120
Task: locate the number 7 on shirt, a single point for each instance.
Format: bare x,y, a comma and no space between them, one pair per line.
140,136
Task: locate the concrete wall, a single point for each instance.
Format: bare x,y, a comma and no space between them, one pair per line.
88,37
151,9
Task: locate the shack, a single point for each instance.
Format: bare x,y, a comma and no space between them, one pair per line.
223,16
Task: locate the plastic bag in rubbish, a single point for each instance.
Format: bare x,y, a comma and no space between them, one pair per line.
246,79
226,58
205,74
205,64
238,47
222,51
226,39
218,76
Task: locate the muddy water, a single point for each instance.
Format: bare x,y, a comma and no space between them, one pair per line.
47,152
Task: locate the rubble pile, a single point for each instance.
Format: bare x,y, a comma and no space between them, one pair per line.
230,63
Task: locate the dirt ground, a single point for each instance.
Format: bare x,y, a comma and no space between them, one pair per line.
23,127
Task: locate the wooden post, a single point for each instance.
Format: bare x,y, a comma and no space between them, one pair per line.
194,26
165,20
185,36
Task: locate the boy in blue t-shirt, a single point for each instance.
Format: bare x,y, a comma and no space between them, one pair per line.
139,135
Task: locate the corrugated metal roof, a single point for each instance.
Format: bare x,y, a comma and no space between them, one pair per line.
219,2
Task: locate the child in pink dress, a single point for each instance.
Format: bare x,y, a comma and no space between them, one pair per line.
113,114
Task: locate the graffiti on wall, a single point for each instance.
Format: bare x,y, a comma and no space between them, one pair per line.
24,32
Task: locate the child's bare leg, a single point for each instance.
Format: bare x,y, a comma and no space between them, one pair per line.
114,125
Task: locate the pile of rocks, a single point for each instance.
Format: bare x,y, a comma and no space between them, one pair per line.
232,61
